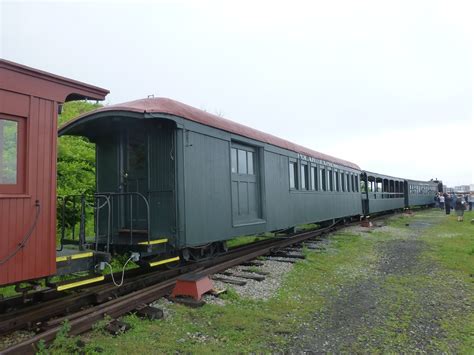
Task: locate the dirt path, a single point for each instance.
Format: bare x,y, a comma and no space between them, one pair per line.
398,306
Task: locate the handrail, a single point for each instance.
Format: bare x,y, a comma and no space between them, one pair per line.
72,198
138,195
101,200
98,208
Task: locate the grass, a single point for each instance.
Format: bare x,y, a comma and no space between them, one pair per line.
247,239
453,244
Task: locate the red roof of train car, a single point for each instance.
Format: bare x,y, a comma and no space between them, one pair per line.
172,107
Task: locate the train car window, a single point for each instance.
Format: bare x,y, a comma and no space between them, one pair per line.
323,179
233,160
12,157
379,186
338,180
343,182
314,178
352,183
242,155
330,180
304,177
250,163
293,175
356,183
8,152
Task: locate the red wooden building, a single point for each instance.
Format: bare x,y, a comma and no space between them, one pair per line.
29,103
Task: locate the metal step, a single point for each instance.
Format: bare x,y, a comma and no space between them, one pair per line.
73,260
74,256
164,261
154,242
86,280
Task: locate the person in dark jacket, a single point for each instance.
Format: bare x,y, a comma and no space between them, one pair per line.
459,207
447,203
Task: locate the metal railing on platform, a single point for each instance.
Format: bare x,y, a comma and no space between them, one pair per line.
103,209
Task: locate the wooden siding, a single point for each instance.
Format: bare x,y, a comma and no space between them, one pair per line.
17,212
33,96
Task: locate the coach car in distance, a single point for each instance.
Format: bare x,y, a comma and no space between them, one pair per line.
381,192
420,193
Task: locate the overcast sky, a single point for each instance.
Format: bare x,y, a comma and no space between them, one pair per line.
385,84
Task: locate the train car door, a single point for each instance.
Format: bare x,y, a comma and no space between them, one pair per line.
134,177
405,193
245,184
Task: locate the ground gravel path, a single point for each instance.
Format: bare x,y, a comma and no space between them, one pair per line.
395,307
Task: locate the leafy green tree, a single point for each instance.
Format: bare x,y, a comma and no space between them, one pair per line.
76,163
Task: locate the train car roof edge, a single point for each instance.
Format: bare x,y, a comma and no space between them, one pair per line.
175,108
372,173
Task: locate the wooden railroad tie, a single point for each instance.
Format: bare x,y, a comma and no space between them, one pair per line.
259,272
253,263
150,313
283,254
244,276
117,327
229,281
290,261
187,301
313,247
293,249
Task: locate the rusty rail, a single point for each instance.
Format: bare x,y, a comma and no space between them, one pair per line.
82,321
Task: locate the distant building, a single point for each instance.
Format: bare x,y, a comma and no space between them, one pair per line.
462,188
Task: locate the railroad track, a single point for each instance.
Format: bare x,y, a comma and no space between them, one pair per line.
47,317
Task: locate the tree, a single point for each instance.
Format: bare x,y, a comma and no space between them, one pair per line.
76,163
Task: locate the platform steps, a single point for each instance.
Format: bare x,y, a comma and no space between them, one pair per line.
170,260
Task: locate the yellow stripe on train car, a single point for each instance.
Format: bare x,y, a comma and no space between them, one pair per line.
152,242
79,283
165,261
74,256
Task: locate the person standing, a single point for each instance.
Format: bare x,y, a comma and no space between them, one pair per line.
459,207
470,200
447,203
441,201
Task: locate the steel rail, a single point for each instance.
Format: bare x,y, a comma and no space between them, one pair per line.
83,320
